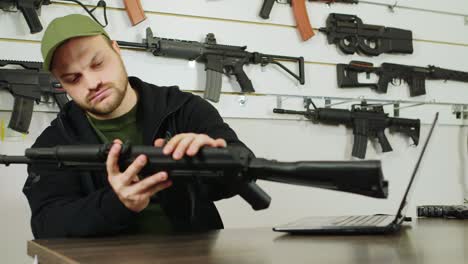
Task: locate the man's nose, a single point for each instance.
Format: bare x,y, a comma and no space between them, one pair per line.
92,81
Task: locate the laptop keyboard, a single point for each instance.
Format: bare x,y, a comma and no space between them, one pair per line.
359,220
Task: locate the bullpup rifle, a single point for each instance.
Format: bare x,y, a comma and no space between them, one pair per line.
351,35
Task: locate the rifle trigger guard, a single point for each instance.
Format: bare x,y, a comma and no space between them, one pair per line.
396,81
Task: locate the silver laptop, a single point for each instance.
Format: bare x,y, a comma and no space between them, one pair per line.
358,224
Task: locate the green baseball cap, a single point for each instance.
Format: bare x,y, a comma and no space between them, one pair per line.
63,28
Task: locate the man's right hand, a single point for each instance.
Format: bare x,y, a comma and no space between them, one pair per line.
133,193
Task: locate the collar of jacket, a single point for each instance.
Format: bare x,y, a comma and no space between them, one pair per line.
155,104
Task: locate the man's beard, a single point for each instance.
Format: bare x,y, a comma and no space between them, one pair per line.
112,101
118,90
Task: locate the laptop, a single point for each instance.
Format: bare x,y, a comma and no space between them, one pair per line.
358,224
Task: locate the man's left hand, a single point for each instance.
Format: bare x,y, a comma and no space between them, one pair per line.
187,143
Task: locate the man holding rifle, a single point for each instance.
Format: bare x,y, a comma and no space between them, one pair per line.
109,106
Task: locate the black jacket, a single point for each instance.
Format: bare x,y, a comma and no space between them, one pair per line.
70,204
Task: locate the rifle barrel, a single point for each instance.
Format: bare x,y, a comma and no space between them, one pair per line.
127,44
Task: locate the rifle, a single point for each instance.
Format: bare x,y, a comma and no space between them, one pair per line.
351,35
300,13
443,211
29,85
367,120
31,8
234,167
135,11
218,59
347,75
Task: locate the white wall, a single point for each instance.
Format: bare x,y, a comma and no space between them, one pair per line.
440,39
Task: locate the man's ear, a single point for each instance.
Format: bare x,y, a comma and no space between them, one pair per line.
115,46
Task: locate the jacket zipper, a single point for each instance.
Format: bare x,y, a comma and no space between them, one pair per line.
153,137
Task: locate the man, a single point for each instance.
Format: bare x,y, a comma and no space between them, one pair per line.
109,106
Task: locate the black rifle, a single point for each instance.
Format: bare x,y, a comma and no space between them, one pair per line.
443,211
389,72
235,167
367,120
218,59
351,35
31,8
29,85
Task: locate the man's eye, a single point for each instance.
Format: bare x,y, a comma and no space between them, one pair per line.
97,64
73,80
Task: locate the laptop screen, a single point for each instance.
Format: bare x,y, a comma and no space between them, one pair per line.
402,209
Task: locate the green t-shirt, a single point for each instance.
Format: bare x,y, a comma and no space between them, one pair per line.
152,219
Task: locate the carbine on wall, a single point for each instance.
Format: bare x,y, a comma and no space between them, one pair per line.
218,59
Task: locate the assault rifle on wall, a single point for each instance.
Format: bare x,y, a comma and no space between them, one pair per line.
28,86
352,35
218,59
366,120
31,8
235,167
414,76
300,13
